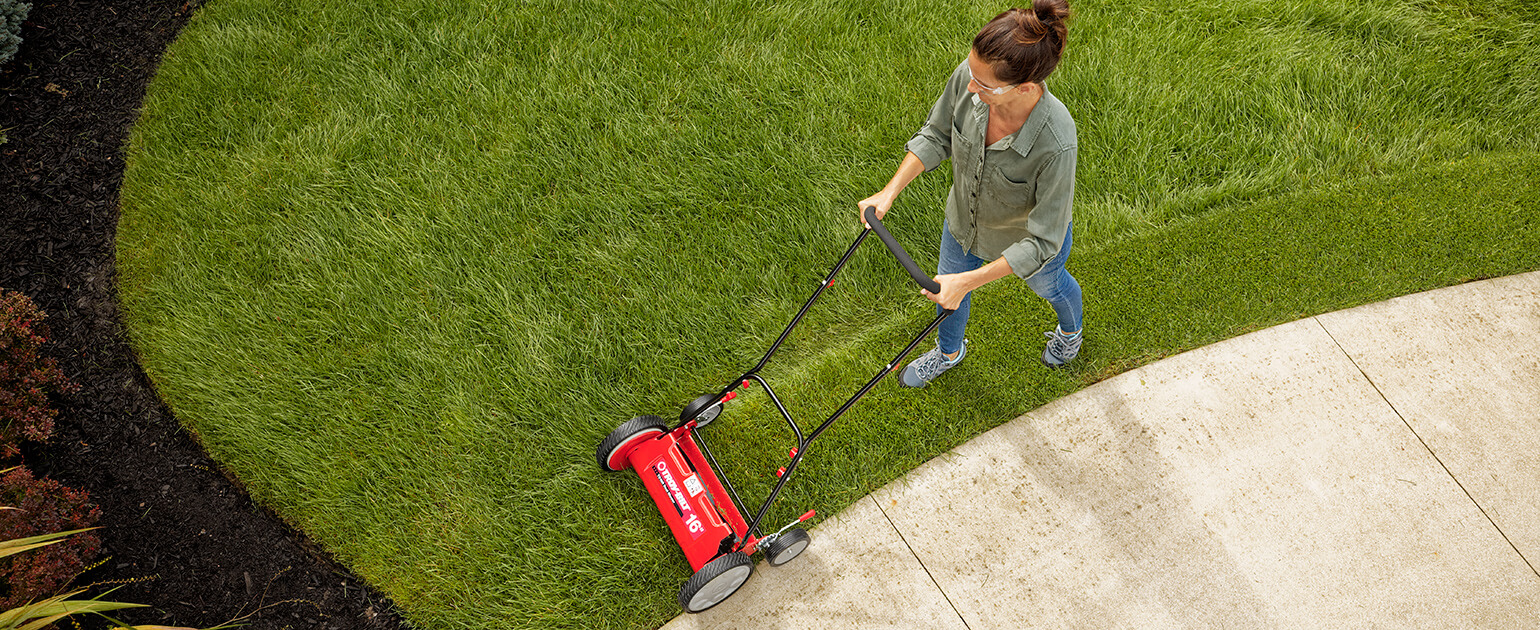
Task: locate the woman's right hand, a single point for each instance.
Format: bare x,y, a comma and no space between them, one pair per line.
883,201
909,169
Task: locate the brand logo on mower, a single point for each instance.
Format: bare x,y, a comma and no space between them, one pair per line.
682,504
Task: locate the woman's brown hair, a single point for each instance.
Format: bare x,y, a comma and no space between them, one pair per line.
1024,45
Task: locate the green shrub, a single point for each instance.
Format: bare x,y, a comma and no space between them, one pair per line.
11,15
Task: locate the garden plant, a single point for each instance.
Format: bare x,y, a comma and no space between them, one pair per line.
12,13
35,506
46,539
27,377
400,266
41,613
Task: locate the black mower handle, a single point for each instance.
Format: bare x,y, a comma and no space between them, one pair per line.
926,282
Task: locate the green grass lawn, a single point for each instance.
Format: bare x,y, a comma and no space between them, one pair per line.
400,266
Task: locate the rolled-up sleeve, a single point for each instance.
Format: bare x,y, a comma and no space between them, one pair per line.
1049,219
933,142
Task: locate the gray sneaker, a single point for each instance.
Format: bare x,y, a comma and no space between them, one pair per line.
1061,347
930,365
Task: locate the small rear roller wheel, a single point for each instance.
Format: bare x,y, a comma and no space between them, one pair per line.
788,546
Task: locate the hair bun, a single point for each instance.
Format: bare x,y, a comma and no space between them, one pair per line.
1024,45
1050,11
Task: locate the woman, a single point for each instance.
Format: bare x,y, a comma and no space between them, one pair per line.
1012,146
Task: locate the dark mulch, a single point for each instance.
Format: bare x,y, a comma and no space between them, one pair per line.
168,514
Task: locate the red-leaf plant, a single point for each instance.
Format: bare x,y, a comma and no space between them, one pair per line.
26,379
43,506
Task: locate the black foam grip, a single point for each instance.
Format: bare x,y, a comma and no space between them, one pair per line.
925,281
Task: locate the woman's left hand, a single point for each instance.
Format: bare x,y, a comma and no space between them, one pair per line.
954,287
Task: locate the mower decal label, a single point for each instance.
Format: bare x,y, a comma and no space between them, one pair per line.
692,483
686,512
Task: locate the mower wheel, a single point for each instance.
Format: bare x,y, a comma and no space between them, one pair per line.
716,581
701,410
616,447
789,545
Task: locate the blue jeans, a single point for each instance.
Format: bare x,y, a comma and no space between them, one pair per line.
1052,283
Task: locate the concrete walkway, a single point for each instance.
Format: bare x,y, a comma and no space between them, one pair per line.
1375,467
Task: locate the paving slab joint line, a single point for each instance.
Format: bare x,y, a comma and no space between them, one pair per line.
1424,443
917,559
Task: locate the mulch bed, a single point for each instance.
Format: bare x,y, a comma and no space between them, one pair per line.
186,539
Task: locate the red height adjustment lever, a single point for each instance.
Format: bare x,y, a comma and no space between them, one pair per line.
729,396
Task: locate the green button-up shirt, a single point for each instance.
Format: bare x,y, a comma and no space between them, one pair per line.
1010,199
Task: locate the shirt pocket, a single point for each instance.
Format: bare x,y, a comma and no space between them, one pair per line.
963,145
1011,186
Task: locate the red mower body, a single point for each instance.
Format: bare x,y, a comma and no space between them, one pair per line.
690,496
703,512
